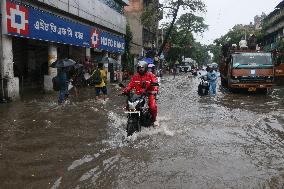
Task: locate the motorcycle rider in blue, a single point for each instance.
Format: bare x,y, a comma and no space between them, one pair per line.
212,78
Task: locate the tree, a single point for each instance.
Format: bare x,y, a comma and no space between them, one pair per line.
173,7
150,16
232,37
182,40
128,38
199,53
127,58
189,23
216,51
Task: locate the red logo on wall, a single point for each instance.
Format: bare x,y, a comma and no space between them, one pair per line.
17,19
95,38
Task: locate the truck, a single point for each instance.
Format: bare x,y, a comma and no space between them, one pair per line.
186,65
250,70
278,56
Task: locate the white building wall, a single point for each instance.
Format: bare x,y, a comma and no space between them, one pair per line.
92,10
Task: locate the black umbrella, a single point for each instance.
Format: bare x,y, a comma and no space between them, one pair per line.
107,60
78,66
74,68
63,63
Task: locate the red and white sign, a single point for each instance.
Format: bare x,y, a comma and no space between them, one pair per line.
95,38
17,19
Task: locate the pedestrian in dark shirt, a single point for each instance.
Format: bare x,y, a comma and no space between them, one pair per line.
63,85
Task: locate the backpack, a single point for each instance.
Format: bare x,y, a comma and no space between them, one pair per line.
55,83
96,78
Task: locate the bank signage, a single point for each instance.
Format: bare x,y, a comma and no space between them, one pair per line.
28,22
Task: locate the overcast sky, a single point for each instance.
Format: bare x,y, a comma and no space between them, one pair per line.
222,15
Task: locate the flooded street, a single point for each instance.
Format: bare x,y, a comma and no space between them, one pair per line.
227,141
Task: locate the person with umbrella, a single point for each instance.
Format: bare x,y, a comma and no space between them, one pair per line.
63,80
63,84
77,77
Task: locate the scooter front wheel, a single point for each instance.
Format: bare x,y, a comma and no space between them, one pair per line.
132,125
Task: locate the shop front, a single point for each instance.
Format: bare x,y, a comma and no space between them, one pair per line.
38,38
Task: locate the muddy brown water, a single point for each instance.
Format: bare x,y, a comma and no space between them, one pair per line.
226,141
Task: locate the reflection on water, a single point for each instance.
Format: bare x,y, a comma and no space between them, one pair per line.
226,141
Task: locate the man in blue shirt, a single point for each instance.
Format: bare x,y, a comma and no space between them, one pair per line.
212,78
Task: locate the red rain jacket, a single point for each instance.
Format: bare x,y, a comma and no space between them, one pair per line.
137,80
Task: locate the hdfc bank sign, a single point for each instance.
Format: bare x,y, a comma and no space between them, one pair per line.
17,19
111,42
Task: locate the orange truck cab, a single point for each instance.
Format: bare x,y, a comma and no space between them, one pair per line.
249,70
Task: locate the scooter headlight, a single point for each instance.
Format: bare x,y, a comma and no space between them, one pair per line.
132,105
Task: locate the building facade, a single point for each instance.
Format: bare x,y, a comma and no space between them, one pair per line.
144,36
35,33
273,26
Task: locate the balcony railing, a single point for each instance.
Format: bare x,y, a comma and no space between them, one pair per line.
276,17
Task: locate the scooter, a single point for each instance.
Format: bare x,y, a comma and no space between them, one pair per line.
203,87
137,110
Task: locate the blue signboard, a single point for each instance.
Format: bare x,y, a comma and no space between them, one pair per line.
29,22
111,43
106,41
48,27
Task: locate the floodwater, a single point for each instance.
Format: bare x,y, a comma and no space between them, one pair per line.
221,142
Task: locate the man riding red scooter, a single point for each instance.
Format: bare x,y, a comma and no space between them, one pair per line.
141,82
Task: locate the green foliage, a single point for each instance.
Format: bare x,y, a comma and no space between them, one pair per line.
217,53
172,8
127,58
150,16
128,38
236,34
188,23
232,37
199,53
183,42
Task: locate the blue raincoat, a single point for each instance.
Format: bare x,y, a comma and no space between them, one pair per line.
212,78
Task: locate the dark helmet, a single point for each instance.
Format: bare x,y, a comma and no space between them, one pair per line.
143,64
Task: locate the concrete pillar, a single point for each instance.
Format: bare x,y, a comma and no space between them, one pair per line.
106,66
7,71
120,68
88,53
52,72
135,62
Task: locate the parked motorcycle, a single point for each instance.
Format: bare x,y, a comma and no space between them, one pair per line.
137,110
203,87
